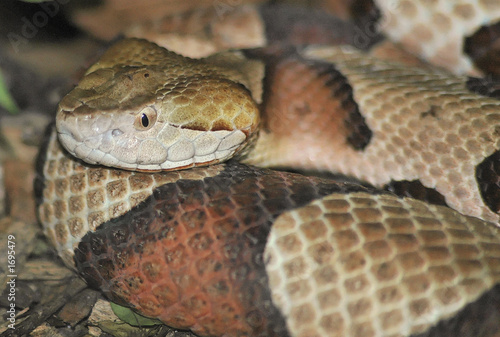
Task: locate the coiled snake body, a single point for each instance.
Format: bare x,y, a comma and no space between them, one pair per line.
235,250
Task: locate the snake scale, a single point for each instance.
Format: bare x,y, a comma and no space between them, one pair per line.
136,193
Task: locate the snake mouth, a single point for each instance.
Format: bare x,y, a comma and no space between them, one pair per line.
117,148
66,129
87,143
79,149
68,136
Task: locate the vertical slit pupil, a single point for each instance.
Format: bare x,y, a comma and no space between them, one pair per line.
144,120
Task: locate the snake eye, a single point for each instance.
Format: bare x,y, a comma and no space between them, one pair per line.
145,119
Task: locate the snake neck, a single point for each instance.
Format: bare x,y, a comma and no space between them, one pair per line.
308,114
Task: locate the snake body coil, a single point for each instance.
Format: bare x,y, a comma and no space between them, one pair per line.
235,250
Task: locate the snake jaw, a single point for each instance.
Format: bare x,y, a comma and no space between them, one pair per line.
96,139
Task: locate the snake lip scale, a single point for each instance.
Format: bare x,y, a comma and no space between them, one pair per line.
137,190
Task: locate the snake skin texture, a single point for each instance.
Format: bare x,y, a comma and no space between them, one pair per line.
364,265
204,31
193,252
77,199
236,250
438,30
425,124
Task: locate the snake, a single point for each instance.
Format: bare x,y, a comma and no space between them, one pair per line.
155,185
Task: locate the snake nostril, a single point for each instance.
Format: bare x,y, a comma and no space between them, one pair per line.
116,132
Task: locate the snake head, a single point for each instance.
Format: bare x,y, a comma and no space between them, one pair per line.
148,119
